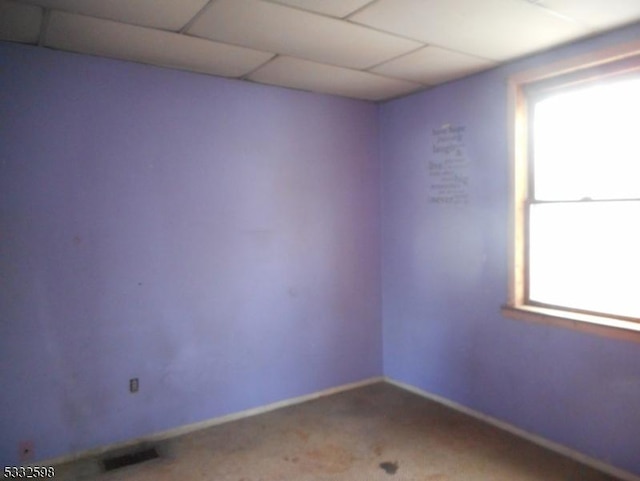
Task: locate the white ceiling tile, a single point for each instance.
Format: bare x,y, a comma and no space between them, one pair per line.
19,23
164,14
493,29
600,14
335,8
276,28
433,65
305,75
78,33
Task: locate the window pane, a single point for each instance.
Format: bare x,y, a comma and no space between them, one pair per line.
586,143
586,256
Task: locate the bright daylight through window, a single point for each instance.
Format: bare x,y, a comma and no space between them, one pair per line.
582,208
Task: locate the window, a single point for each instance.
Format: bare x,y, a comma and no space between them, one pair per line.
576,194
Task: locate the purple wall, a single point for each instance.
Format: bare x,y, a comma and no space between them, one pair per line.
445,277
220,241
217,239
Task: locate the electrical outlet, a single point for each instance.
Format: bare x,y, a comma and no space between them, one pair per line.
25,451
134,385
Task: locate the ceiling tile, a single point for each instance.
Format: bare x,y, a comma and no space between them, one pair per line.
335,8
276,28
493,29
599,14
164,14
78,33
433,65
305,75
19,23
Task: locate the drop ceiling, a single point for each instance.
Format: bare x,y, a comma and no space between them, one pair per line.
365,49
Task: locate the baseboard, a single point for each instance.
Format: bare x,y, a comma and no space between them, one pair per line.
534,438
189,428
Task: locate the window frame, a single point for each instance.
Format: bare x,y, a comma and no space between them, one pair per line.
593,67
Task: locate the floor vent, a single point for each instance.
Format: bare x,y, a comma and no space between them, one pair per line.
130,459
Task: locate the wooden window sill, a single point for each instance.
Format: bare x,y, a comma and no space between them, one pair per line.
601,326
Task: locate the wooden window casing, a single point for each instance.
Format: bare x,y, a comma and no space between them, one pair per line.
523,88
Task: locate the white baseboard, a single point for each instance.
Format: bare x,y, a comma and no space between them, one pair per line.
189,428
534,438
551,445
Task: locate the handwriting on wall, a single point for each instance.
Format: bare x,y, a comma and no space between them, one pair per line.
448,166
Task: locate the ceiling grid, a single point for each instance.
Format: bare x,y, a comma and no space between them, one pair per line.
365,49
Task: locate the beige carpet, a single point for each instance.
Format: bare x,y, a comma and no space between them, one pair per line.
375,433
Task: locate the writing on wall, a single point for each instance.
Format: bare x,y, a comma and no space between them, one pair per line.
448,166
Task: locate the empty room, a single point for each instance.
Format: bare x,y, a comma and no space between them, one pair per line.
267,240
